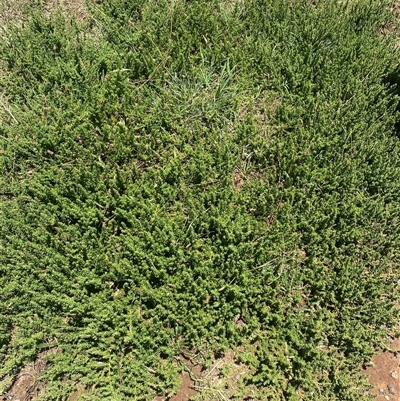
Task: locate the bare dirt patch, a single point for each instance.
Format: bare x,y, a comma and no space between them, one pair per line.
187,381
26,385
221,378
384,374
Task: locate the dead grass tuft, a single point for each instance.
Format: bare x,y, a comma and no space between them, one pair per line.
224,379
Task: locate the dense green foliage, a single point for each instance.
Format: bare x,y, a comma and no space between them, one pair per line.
170,166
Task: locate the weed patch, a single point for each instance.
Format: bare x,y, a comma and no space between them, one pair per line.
199,174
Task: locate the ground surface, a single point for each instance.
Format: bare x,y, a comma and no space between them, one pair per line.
187,386
196,379
384,376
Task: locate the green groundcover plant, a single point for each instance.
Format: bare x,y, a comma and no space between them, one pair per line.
168,168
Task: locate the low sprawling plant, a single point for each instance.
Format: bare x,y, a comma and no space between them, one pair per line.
187,174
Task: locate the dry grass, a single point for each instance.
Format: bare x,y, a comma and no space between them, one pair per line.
221,377
263,109
74,9
17,11
14,11
232,5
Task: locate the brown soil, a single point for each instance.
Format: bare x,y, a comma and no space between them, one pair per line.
185,392
384,374
187,387
25,386
221,380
